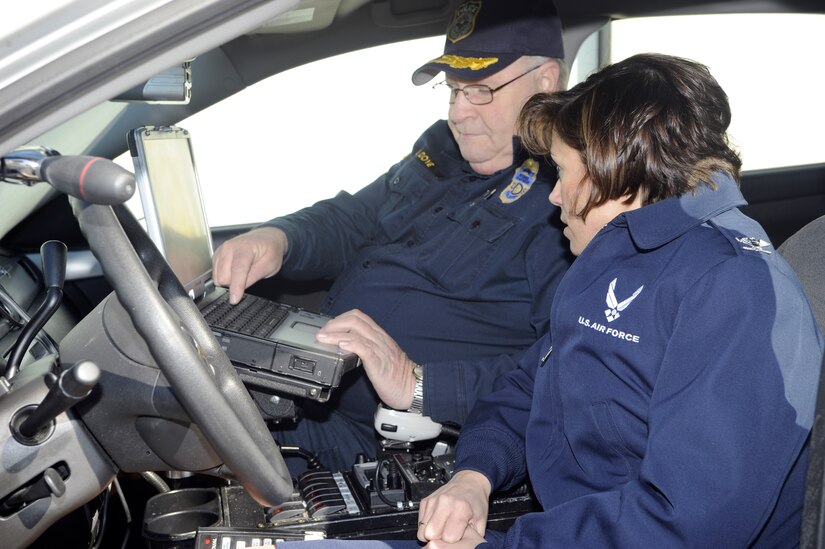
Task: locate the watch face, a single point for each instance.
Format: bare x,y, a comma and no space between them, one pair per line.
418,371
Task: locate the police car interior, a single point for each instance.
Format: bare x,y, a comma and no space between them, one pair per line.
127,424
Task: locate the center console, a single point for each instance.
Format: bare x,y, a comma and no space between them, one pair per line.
375,499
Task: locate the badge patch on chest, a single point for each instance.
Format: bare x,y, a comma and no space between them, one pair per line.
523,179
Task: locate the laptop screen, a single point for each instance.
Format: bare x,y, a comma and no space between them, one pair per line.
169,190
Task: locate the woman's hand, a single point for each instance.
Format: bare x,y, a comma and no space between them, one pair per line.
456,511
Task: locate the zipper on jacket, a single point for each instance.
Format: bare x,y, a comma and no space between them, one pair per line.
545,356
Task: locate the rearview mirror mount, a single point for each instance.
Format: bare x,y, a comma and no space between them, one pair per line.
173,86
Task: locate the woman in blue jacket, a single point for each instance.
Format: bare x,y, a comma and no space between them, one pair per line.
670,404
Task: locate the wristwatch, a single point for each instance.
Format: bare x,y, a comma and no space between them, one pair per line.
417,406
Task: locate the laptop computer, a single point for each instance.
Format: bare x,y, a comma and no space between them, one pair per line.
271,344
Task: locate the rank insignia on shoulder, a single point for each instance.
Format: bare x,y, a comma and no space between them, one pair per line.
752,244
523,179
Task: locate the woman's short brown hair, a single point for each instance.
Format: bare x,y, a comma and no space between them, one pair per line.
652,126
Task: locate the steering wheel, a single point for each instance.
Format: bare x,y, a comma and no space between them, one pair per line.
201,375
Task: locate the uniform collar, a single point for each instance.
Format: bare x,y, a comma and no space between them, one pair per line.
657,224
519,152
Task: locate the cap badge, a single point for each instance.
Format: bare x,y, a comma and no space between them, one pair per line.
464,20
753,244
522,180
472,63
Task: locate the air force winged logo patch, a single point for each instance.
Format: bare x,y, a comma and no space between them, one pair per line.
752,244
612,312
522,180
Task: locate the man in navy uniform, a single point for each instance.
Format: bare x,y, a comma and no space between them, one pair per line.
452,251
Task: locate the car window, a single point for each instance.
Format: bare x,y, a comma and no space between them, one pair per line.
776,98
305,134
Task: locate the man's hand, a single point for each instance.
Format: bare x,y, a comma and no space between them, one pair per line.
456,511
244,260
387,366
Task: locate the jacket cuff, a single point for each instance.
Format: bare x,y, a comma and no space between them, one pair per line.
493,454
289,229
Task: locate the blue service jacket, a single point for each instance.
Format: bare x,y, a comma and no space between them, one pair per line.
670,404
451,263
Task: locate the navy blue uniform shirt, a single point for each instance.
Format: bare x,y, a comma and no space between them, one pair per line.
670,404
451,263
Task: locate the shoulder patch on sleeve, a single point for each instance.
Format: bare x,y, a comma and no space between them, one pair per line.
754,244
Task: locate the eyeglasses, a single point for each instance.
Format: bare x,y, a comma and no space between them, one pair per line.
477,94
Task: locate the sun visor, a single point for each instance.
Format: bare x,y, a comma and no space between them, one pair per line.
309,15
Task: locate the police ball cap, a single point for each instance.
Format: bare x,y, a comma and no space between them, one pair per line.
485,36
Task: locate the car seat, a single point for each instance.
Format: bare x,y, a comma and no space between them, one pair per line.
805,252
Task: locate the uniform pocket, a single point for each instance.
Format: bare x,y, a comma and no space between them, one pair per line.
462,248
615,464
395,215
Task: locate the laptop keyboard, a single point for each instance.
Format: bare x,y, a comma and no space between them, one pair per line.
253,316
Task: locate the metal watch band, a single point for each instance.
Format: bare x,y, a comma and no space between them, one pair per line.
417,406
